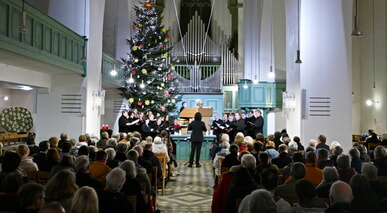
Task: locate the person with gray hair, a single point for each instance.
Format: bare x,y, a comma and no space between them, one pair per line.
111,161
356,162
371,173
111,199
288,190
142,176
340,197
83,177
244,182
121,150
222,153
380,160
330,176
335,152
132,187
259,201
104,138
344,167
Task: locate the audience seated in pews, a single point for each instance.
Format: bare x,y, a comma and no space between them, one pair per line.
288,190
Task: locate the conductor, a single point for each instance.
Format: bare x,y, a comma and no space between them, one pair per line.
198,127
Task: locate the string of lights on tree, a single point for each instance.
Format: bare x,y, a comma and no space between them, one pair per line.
149,78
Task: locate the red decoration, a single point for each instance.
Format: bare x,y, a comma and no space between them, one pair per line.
162,108
139,103
162,47
141,46
105,127
167,36
133,72
166,93
133,26
169,77
148,5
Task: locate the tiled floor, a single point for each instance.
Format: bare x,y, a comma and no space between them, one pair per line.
190,192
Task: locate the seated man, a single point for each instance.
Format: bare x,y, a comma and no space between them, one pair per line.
99,169
31,197
340,197
313,173
380,160
283,158
288,190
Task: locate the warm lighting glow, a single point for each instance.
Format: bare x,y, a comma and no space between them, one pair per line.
5,98
371,102
113,72
142,85
131,80
245,86
255,81
25,88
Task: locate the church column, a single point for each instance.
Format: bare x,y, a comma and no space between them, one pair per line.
322,83
252,23
93,77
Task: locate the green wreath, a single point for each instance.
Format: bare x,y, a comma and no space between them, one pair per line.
16,119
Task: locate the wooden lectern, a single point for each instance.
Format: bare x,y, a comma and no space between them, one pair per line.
188,113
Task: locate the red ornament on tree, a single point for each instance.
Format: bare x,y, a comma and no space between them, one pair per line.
133,26
139,103
169,77
162,47
141,46
148,5
166,93
133,72
167,36
162,108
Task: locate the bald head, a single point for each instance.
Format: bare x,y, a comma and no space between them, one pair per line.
340,192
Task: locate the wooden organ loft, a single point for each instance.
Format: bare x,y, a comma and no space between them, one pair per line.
203,64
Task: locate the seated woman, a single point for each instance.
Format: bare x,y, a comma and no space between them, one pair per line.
51,160
132,186
27,162
61,188
159,147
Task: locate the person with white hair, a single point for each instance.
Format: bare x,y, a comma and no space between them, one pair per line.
111,199
111,161
340,197
259,201
222,153
159,147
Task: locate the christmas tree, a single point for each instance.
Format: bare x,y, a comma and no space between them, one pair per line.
149,80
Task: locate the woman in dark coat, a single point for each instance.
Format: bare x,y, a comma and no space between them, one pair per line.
198,127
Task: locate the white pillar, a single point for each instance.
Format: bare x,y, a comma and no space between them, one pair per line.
93,79
251,43
325,73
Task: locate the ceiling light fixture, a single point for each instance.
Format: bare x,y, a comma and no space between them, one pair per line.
356,32
298,60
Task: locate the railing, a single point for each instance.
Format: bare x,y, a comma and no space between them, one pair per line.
199,78
108,64
46,39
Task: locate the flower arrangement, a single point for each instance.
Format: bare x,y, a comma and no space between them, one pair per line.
16,119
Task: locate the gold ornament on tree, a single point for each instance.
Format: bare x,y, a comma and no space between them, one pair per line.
131,100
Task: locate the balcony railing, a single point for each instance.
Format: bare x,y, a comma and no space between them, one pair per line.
108,64
46,39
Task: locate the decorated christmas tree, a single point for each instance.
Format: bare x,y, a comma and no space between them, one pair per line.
149,80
